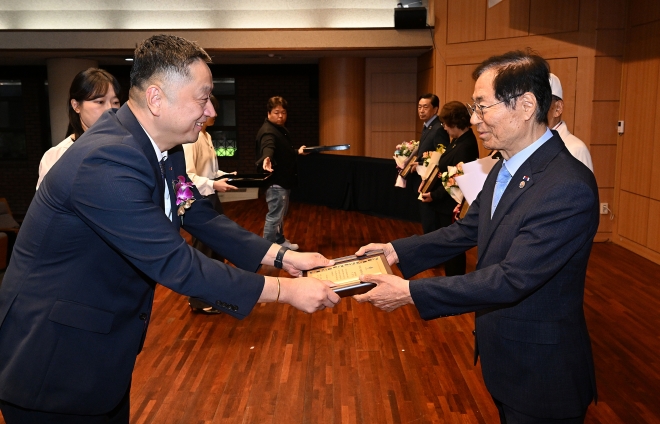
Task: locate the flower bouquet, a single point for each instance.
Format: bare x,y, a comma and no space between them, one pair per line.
403,155
429,158
448,179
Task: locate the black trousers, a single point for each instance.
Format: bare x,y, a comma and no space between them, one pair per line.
16,415
433,220
511,416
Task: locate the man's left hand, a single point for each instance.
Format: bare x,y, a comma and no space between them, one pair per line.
302,151
391,292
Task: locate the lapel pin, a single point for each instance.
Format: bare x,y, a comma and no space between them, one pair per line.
522,183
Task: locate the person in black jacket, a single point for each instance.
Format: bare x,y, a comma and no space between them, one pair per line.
277,155
463,148
433,135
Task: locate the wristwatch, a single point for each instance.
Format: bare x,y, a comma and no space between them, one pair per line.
279,256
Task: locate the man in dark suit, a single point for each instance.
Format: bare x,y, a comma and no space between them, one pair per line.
534,223
463,148
103,230
433,135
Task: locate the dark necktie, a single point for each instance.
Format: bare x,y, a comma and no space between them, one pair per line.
162,167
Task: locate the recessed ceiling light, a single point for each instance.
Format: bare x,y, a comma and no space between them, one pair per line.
129,59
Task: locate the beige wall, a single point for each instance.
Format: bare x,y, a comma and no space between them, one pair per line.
637,179
581,39
390,108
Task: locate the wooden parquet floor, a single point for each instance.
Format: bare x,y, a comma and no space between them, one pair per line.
355,364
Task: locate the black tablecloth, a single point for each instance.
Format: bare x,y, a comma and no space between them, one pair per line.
356,183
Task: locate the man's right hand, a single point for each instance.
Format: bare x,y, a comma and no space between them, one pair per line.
308,294
267,165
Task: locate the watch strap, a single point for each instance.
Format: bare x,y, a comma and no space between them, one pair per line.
279,256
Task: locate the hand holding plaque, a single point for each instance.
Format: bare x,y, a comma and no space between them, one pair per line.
346,272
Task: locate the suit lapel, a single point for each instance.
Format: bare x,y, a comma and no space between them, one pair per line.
128,121
522,181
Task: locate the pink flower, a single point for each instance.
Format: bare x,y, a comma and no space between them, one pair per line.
183,191
184,195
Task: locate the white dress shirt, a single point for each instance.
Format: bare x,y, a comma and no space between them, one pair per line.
574,145
51,156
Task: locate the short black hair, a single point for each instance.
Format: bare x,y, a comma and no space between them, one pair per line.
455,114
164,56
274,102
519,72
435,101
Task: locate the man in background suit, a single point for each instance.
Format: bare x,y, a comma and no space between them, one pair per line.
534,223
463,148
77,296
433,135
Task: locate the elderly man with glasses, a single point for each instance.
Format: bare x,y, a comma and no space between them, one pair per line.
533,223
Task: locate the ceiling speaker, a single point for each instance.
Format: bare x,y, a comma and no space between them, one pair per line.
410,18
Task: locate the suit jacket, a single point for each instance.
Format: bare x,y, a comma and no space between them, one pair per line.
431,137
273,141
463,149
528,287
76,299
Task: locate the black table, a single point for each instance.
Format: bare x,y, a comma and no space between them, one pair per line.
356,183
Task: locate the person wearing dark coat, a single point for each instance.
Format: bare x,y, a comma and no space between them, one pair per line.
462,148
533,223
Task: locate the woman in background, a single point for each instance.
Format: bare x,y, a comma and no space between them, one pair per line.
92,92
463,147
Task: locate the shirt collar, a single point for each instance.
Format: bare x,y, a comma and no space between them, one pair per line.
428,123
160,155
519,158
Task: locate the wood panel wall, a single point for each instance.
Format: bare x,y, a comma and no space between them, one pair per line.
390,104
637,182
582,41
341,103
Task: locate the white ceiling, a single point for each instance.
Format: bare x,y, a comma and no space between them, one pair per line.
233,31
195,14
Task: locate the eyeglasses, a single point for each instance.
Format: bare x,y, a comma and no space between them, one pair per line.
479,109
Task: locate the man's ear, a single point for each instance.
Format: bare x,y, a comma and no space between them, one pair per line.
154,99
559,108
528,105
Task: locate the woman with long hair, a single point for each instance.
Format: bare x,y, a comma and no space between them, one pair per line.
92,92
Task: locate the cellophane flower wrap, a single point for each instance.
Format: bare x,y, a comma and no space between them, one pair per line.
184,195
404,151
448,179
